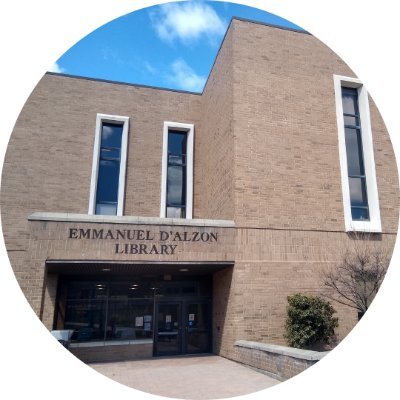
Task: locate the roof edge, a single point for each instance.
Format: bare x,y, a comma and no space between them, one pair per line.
286,28
121,83
234,18
253,22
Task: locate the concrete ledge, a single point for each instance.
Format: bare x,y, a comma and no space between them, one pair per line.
111,219
280,362
283,350
111,343
113,353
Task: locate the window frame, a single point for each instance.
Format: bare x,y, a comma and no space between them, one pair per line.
374,222
112,119
189,130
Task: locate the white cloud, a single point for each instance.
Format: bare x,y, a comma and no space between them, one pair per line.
149,68
56,68
185,78
187,22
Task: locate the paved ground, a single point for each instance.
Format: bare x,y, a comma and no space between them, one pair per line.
203,377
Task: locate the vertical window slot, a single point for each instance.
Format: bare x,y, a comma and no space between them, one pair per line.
107,188
177,171
356,155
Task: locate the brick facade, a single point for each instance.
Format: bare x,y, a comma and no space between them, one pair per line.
266,159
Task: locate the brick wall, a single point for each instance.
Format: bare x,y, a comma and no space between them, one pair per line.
286,137
269,266
280,362
113,353
214,141
266,156
48,162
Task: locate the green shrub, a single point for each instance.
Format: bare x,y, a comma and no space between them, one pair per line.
309,321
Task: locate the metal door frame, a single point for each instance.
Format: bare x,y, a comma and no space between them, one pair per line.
183,328
157,304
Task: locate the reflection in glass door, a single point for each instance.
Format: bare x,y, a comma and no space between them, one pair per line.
197,328
169,333
183,327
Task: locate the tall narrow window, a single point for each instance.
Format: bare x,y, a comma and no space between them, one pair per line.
359,186
108,171
177,171
176,175
354,152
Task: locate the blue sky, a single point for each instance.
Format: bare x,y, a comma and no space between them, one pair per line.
172,45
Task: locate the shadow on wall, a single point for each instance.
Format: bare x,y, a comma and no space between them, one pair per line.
221,291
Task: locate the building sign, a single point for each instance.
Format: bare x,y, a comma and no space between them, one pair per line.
139,241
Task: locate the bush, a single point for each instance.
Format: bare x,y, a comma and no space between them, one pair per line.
309,321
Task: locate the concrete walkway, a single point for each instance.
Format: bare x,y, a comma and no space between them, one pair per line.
194,377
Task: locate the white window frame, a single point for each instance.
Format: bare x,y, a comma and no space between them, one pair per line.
96,155
374,223
189,129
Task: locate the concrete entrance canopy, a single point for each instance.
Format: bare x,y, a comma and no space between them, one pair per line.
66,244
139,268
74,237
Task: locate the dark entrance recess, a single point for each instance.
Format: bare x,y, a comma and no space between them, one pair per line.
168,305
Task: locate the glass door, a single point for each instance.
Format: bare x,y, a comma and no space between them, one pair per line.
197,327
168,340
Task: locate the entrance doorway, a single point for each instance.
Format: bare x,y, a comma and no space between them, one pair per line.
170,314
182,327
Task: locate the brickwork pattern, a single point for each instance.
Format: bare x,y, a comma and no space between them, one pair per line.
266,156
269,266
216,163
113,353
48,163
279,366
286,137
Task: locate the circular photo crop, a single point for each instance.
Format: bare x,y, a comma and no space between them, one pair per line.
200,200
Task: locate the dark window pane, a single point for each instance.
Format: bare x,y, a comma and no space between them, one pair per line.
98,311
86,318
350,120
120,321
111,135
198,324
349,97
354,151
198,316
130,290
189,290
359,213
176,185
174,159
176,174
129,320
169,326
177,142
171,291
86,290
107,181
109,168
110,154
358,194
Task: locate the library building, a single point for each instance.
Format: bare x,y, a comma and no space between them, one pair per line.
149,222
